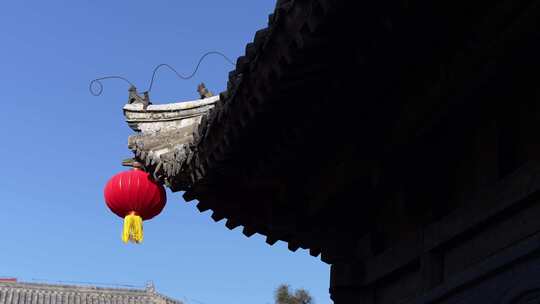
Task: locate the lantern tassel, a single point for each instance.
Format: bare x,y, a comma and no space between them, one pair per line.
133,229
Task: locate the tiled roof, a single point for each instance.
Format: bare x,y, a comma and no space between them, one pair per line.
329,99
181,155
178,153
292,28
33,293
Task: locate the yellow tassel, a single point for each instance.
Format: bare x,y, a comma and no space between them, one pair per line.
133,229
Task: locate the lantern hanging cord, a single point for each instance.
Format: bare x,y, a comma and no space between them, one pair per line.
97,81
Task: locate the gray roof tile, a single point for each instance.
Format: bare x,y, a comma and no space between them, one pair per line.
32,293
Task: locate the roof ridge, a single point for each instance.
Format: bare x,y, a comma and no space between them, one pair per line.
166,298
87,288
142,294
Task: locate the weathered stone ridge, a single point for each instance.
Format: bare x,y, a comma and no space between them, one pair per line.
165,133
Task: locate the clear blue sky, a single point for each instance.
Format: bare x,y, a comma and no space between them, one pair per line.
60,145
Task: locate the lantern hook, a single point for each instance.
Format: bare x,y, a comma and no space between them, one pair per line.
131,162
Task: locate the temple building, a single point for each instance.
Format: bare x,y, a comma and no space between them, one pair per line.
13,292
395,140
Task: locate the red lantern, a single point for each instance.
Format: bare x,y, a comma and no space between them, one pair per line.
134,196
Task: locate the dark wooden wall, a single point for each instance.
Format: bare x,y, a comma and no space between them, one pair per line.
460,222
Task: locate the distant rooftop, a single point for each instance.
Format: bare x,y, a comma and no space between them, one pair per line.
13,292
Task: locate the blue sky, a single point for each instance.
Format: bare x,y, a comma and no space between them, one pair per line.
60,145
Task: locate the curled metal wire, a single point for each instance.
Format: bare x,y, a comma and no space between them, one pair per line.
96,87
97,83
